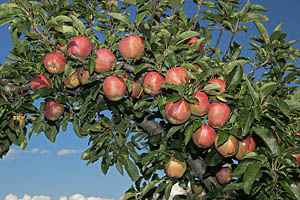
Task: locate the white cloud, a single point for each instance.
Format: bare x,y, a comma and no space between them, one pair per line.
11,154
43,197
35,150
44,151
68,151
11,197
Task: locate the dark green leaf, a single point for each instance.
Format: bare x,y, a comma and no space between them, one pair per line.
131,169
252,172
268,138
262,30
234,78
245,121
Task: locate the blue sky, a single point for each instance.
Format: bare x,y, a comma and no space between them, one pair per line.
56,170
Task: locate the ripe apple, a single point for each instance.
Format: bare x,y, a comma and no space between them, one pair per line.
20,121
218,114
55,63
201,108
114,88
229,148
245,146
131,47
176,76
175,168
224,175
83,75
79,46
152,82
219,82
179,112
53,110
193,40
39,81
136,89
105,61
297,156
204,136
72,81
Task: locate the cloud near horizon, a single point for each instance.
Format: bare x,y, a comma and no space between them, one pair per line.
68,151
12,153
43,197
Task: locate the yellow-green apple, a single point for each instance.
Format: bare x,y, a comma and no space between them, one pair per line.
200,108
55,63
204,136
114,88
72,81
229,148
83,75
53,110
178,112
20,119
175,168
176,76
39,81
224,175
79,46
152,82
131,47
218,114
105,61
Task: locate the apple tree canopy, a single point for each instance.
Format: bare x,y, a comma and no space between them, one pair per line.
145,126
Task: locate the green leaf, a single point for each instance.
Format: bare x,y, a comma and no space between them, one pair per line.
78,24
209,72
76,127
131,169
3,102
148,187
241,168
51,133
245,9
123,18
140,17
255,17
245,121
189,132
174,97
173,130
234,78
291,188
266,90
254,94
268,138
278,27
129,2
168,190
207,35
186,35
252,172
263,32
257,7
213,158
234,63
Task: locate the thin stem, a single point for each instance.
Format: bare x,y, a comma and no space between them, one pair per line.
229,45
221,29
198,13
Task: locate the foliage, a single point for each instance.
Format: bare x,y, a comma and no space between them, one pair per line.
133,134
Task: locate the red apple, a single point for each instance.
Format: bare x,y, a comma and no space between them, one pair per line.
55,63
79,46
218,114
131,47
201,108
105,61
72,81
114,88
175,168
39,81
229,148
219,82
152,82
297,156
298,134
245,146
136,89
176,76
193,40
204,136
53,110
178,113
224,175
20,120
83,75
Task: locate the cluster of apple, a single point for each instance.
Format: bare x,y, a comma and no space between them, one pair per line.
114,86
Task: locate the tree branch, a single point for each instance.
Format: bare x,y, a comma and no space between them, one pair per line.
198,13
229,45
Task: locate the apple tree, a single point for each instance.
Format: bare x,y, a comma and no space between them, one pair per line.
162,95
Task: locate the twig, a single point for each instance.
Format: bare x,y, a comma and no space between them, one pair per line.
229,45
221,29
198,13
